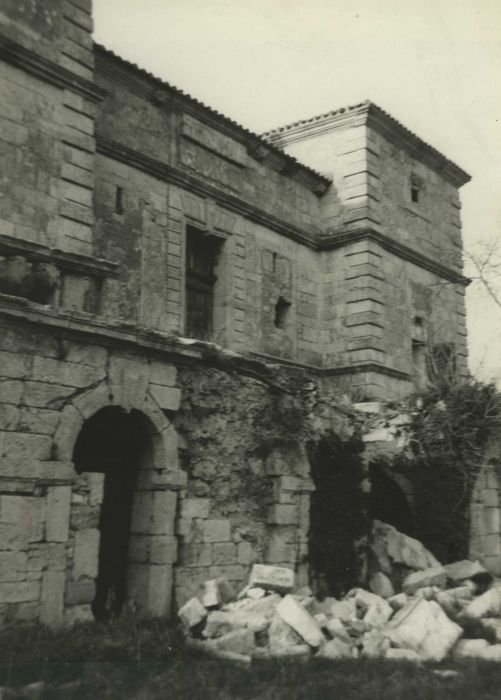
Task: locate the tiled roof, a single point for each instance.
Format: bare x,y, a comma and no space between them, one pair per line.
376,116
238,129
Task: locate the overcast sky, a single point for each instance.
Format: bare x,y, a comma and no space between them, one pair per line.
433,64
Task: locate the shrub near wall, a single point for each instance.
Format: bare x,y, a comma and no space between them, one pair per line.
449,431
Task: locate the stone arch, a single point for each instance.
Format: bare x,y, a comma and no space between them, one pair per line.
153,546
485,512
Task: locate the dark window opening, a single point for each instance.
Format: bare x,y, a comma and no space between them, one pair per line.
418,321
201,257
420,362
415,194
282,308
119,200
112,442
273,262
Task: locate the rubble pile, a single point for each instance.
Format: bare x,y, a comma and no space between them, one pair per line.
415,609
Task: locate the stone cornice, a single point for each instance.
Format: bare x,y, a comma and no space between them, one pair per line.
197,185
312,239
89,328
69,262
29,61
339,240
150,87
368,367
369,114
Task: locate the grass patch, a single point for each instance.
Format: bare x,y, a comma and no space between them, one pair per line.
148,660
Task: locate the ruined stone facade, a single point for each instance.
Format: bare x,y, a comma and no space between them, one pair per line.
132,216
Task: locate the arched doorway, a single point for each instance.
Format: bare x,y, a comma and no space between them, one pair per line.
115,444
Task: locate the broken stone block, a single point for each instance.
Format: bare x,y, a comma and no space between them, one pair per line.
459,571
400,548
240,641
300,620
469,647
381,585
216,592
378,610
271,578
403,655
398,601
256,593
423,626
434,576
486,605
491,653
281,634
344,610
192,613
375,644
335,628
335,649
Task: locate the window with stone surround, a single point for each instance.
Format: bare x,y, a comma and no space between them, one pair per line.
202,252
416,188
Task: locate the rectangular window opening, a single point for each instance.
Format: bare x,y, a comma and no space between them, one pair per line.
119,200
201,257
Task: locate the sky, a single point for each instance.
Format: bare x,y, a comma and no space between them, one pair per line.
435,65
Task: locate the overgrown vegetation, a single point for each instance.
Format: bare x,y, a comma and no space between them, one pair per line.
132,660
450,426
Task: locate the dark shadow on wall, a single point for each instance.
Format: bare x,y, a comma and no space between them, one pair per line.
388,503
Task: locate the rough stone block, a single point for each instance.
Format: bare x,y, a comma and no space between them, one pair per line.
162,373
424,627
85,560
26,446
486,605
150,587
96,488
78,592
273,578
153,512
19,591
216,531
335,649
13,566
192,612
195,508
283,514
240,641
11,391
196,554
21,521
224,553
300,620
469,647
168,398
47,555
51,610
281,634
58,514
381,585
157,549
435,576
245,554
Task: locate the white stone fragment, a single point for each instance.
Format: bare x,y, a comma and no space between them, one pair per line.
461,570
402,654
300,620
379,610
469,647
492,653
381,585
434,576
423,626
274,578
335,649
192,612
486,605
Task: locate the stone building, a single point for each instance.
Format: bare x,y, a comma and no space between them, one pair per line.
155,255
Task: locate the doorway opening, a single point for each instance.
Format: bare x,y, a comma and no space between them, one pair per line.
388,502
114,443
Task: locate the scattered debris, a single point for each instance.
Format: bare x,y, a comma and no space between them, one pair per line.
415,610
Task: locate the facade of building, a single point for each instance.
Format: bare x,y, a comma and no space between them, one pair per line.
155,255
